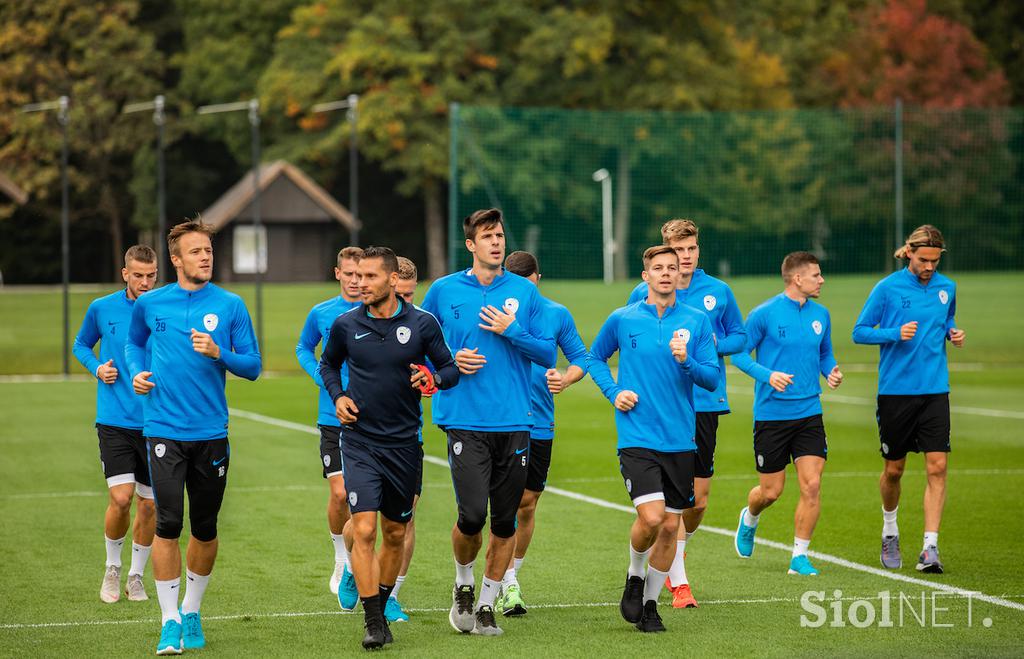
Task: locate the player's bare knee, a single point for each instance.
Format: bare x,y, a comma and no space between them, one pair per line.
669,526
121,499
651,519
698,509
145,508
811,488
893,471
393,534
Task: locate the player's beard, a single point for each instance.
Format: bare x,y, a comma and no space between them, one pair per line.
197,276
376,298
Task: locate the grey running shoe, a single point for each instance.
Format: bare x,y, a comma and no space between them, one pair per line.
929,562
134,589
461,616
110,591
485,624
891,557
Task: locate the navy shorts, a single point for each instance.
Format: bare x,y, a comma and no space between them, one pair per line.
777,443
651,475
330,450
913,423
380,477
538,465
707,439
123,457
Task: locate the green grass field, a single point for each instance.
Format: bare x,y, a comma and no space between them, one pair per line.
269,593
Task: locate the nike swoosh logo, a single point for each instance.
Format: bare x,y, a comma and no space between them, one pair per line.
456,306
113,322
520,451
407,513
359,336
160,320
633,336
216,463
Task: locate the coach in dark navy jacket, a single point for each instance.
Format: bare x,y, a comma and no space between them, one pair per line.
382,340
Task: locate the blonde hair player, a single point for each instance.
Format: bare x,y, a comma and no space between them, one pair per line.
910,316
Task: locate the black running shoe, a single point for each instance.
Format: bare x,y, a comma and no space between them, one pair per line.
376,634
484,622
650,621
632,605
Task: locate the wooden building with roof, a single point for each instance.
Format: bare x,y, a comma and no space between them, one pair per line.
303,227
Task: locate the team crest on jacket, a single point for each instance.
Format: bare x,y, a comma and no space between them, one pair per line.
683,334
511,305
816,326
403,333
353,498
943,297
210,321
710,302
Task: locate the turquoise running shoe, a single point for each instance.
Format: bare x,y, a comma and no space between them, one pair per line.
744,540
348,595
802,565
192,631
170,638
393,611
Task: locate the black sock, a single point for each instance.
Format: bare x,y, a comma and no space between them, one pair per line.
371,607
385,592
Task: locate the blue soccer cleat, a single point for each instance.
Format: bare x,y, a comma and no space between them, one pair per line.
393,611
802,565
348,595
170,638
744,540
192,631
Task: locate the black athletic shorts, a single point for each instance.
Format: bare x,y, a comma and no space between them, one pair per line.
123,457
419,473
777,443
380,477
707,439
652,475
538,465
330,451
198,467
913,423
488,467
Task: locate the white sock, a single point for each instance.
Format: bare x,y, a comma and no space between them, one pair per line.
340,552
114,551
398,584
637,562
889,526
677,573
517,564
750,520
800,546
140,556
931,539
510,578
655,582
167,594
194,590
464,574
488,591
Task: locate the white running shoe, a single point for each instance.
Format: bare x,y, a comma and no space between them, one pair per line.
134,589
339,568
110,591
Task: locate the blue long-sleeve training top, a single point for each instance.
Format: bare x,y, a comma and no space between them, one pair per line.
917,366
791,338
497,397
188,401
558,323
378,352
664,418
317,329
714,297
106,320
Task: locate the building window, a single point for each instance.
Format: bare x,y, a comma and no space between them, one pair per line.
244,249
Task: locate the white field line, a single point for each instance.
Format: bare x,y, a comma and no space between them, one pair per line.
314,614
828,396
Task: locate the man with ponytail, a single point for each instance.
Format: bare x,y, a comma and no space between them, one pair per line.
910,316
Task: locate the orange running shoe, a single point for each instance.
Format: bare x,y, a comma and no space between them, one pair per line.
682,597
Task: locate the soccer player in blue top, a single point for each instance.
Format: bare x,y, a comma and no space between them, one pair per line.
910,316
119,424
315,332
195,332
665,348
494,320
792,335
714,297
382,341
545,383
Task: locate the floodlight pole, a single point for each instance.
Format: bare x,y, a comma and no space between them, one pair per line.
62,105
253,107
898,174
351,103
608,243
157,106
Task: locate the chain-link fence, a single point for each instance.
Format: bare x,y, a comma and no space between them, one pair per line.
758,184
